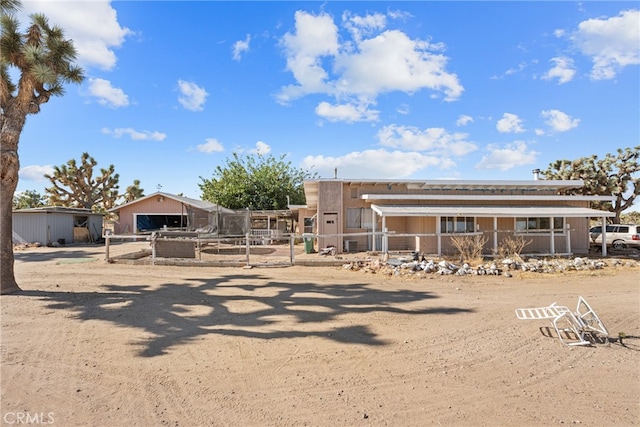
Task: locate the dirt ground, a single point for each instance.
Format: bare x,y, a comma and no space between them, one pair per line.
88,343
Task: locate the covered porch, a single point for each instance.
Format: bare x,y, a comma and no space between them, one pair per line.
549,224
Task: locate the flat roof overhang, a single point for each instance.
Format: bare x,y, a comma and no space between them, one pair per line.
489,211
485,197
311,186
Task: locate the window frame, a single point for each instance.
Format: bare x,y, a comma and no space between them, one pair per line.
457,224
539,225
363,218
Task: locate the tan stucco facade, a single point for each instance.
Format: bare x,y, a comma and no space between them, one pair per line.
344,214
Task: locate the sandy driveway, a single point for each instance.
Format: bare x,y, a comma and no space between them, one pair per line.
94,344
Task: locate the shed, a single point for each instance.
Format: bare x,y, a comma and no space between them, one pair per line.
164,210
56,224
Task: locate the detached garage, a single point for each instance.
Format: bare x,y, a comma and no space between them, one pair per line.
56,225
166,211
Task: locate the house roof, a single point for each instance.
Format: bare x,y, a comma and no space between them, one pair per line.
200,204
532,185
489,196
58,209
489,211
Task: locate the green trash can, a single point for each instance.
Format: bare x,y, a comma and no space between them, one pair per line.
308,243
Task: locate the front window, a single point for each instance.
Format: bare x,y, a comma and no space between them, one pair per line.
455,224
359,218
308,225
539,224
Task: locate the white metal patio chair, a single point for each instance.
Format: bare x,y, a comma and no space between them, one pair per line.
581,322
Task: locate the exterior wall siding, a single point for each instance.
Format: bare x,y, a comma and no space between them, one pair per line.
50,227
31,227
60,226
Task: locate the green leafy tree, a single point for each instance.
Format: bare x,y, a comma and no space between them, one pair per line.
28,199
133,192
257,182
75,186
616,175
630,217
44,60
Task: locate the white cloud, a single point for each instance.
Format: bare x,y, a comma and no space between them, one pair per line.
35,172
135,135
563,70
363,25
510,123
434,140
374,164
240,47
391,62
92,25
192,96
364,67
261,148
107,95
464,120
559,121
210,146
346,113
508,157
403,109
314,38
521,67
611,43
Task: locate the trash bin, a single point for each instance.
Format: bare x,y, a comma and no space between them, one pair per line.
308,243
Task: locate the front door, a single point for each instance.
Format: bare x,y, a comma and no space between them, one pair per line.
330,226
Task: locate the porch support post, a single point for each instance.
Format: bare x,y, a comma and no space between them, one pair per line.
603,222
438,236
373,230
495,234
385,237
552,239
568,228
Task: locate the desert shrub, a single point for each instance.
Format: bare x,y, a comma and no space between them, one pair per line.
512,246
469,247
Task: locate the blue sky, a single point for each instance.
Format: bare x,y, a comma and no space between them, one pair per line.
390,90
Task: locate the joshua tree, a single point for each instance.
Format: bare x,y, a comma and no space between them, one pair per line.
75,186
44,60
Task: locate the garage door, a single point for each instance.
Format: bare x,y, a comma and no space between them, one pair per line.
151,222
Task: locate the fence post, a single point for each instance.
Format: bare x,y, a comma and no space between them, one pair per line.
248,245
106,245
292,245
154,236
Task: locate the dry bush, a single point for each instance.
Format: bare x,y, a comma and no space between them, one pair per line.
469,247
512,246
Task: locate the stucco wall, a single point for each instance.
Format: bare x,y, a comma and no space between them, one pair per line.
158,205
423,225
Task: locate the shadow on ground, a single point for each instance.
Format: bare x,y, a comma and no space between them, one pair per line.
33,256
177,313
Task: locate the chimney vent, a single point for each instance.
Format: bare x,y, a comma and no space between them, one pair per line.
536,174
